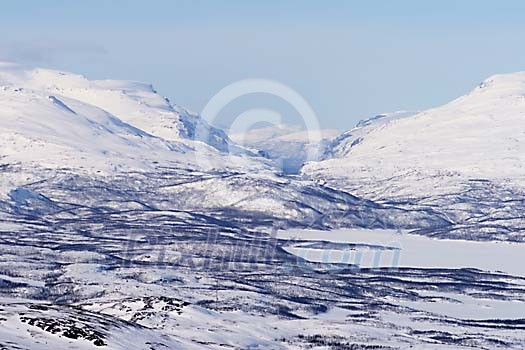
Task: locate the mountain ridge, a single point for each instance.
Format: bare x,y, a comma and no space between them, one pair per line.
465,160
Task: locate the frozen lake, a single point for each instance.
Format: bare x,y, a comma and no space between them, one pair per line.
387,248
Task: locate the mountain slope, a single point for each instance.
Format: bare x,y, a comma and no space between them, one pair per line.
60,132
133,102
64,121
342,145
464,159
477,136
29,325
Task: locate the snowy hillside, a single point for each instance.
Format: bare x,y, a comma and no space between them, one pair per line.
54,131
342,145
454,158
133,102
475,136
33,326
62,122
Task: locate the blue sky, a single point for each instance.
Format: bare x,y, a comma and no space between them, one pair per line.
349,59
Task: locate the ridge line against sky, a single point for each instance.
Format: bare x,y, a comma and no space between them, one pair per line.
349,59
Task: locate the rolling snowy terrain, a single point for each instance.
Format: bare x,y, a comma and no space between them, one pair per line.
127,222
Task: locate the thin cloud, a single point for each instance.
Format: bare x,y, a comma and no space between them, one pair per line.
49,51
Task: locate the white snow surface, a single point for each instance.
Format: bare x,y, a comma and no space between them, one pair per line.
477,136
393,249
57,119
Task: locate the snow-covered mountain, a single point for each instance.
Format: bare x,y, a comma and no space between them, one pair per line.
61,131
413,171
56,131
453,158
135,103
51,120
61,120
341,145
475,136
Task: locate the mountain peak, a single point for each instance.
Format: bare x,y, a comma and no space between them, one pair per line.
479,135
503,85
54,119
136,103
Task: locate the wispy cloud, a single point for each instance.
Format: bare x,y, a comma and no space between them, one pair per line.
49,51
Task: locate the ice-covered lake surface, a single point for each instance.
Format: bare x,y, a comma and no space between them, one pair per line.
390,248
364,249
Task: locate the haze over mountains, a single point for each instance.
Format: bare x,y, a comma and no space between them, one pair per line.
289,146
